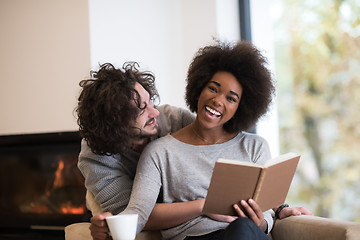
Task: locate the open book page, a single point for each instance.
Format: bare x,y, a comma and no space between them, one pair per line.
237,162
233,181
281,158
275,184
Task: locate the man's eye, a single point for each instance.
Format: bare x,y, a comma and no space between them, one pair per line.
142,108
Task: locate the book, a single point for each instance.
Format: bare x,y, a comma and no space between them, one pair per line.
235,180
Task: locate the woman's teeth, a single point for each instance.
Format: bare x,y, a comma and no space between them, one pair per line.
212,111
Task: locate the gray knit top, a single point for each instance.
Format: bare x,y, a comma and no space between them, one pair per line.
182,172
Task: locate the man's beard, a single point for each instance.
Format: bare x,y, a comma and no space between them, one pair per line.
140,134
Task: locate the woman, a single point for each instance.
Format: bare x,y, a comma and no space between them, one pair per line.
230,88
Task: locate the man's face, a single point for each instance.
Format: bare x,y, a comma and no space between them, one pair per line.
146,123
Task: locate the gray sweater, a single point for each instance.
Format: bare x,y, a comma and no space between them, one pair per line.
110,178
183,173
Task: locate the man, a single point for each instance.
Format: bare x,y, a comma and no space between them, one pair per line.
117,119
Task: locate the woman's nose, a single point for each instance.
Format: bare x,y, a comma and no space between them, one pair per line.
216,101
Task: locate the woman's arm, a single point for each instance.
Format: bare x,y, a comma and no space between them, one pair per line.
163,215
167,215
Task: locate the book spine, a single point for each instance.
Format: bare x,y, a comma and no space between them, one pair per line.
259,185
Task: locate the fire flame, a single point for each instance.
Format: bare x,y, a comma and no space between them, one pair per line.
59,180
58,196
68,209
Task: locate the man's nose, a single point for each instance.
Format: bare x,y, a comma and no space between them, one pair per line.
153,112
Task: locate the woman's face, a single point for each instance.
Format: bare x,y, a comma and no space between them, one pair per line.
219,100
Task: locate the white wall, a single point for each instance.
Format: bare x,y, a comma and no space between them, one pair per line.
162,35
45,51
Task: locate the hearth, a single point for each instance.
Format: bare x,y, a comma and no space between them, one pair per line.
41,188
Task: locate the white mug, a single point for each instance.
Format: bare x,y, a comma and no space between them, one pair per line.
123,226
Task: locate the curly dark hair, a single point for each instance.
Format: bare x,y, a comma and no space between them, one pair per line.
248,65
103,110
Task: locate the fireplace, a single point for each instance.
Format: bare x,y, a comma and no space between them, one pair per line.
41,188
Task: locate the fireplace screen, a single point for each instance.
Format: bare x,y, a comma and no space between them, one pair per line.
40,184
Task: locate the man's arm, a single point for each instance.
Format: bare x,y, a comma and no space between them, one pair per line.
172,119
105,177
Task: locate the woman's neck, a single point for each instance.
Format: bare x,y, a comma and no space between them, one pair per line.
195,134
208,137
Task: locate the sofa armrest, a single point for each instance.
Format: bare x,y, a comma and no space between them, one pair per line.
312,227
78,231
81,231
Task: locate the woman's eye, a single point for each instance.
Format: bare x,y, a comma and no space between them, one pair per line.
212,89
231,99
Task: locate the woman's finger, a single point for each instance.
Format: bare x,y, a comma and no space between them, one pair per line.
239,211
256,208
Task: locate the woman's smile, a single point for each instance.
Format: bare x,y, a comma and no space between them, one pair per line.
212,112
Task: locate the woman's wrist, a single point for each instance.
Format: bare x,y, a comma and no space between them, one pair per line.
279,209
264,226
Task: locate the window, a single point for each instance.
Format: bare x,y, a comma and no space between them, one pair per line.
313,48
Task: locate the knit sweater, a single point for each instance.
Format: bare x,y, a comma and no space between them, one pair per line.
182,172
110,178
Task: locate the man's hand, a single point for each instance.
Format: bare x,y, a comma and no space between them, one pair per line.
99,229
253,211
294,211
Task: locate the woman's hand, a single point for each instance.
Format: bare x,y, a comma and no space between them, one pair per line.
253,211
98,228
221,218
294,211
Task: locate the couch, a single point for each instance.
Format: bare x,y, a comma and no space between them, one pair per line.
291,228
